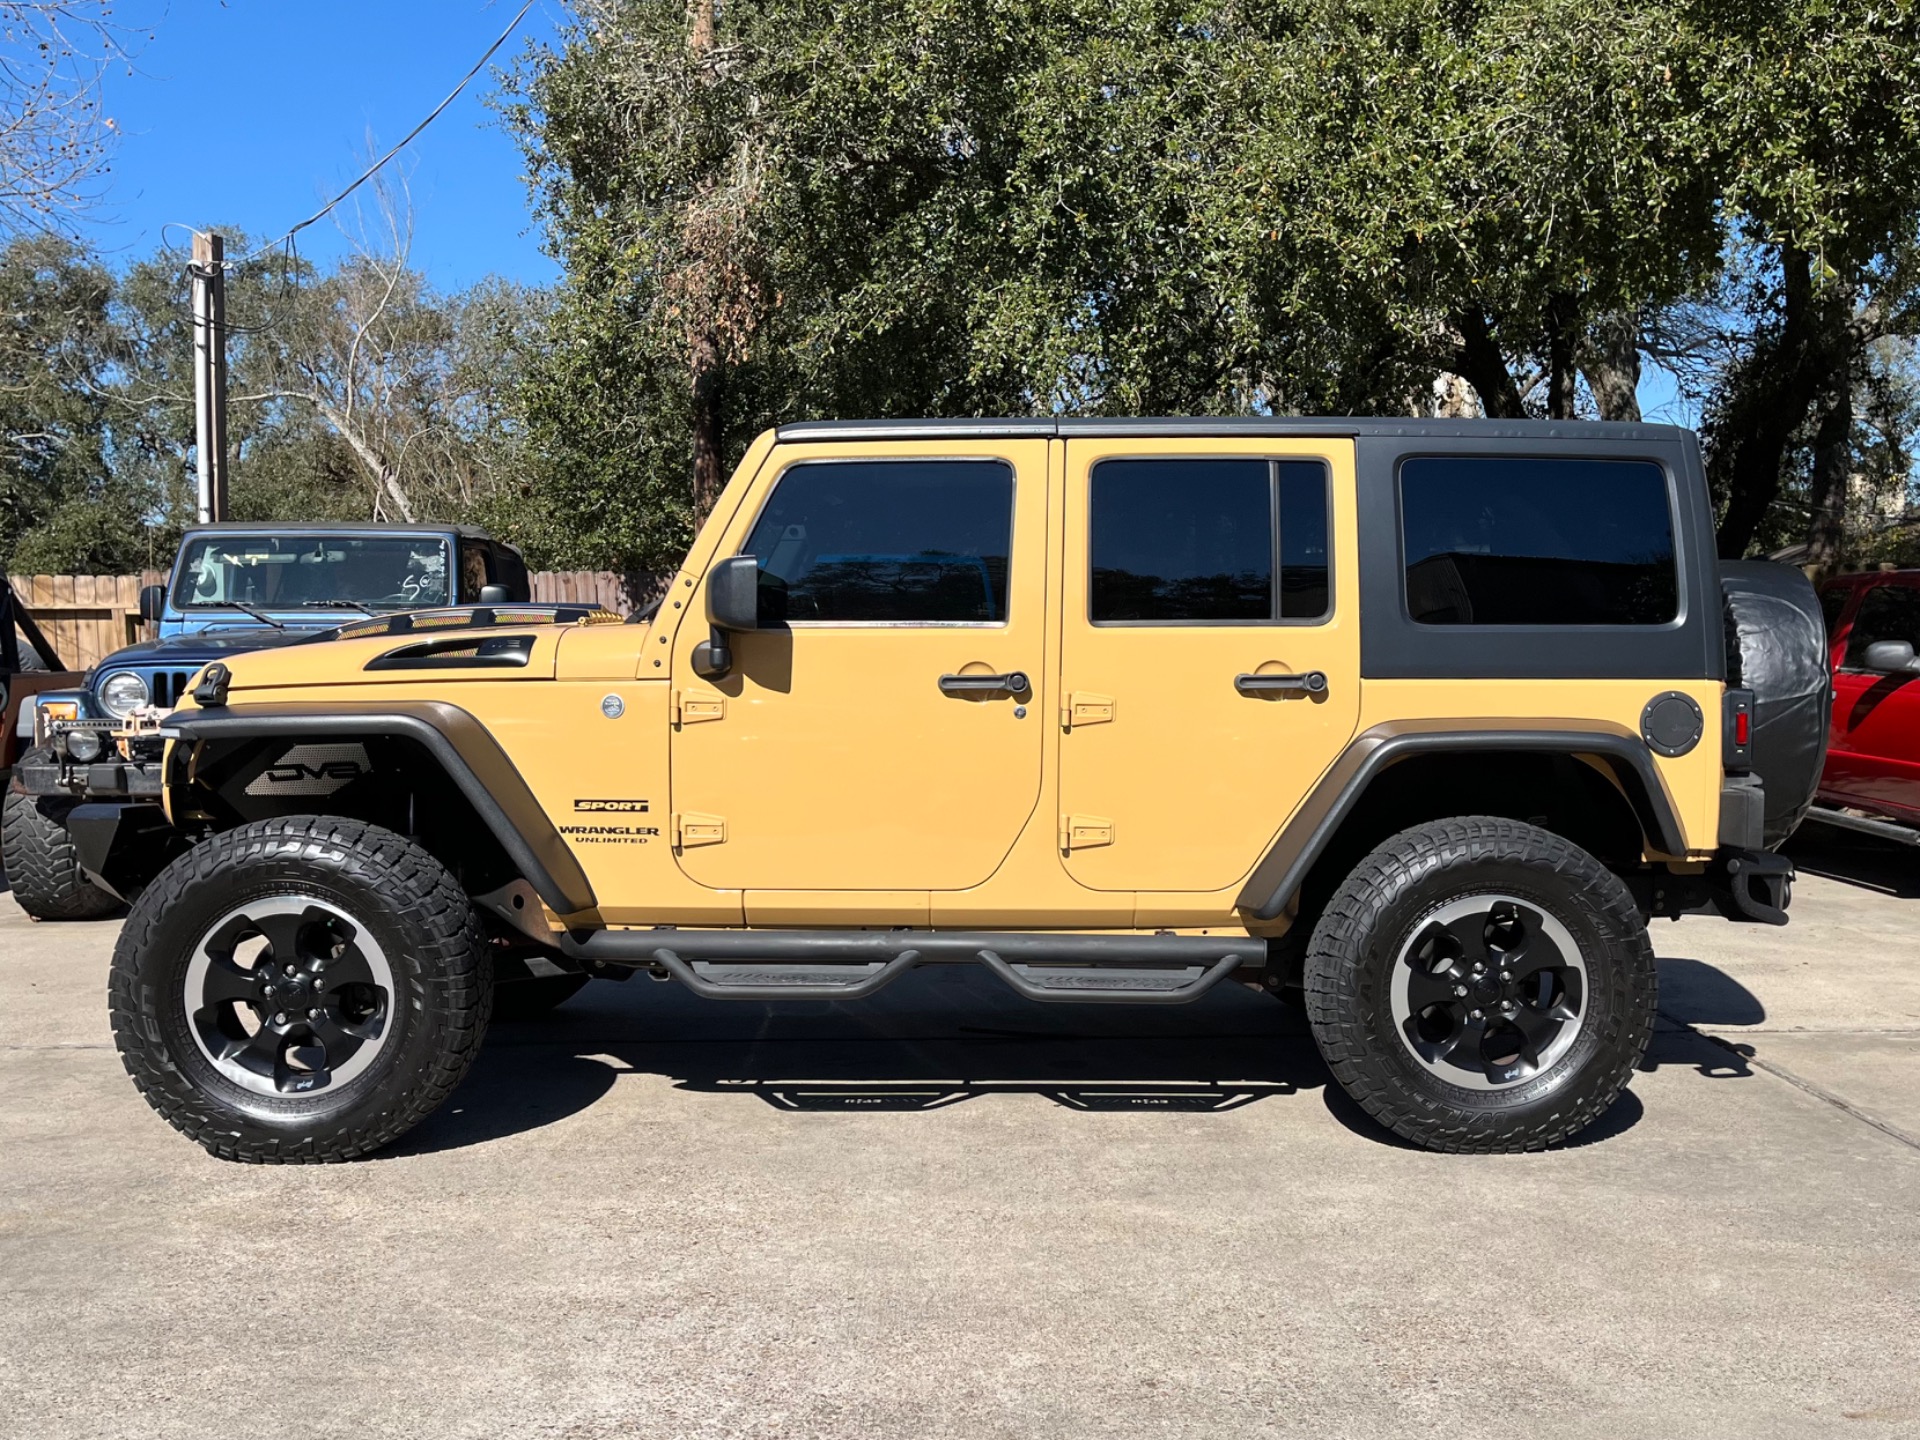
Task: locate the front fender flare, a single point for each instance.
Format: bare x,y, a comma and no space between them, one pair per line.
461,745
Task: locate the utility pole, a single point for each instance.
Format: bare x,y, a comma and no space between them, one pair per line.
209,276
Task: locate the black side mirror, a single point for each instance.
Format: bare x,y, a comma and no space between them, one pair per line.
153,602
733,594
733,607
1890,657
494,595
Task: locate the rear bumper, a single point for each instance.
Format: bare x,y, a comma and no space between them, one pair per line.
1751,885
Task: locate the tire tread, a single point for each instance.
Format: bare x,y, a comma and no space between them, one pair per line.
1355,915
41,864
416,884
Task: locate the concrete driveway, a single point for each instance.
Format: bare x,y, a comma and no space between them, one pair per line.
947,1213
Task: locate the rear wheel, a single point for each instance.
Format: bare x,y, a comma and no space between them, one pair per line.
1481,985
300,990
40,862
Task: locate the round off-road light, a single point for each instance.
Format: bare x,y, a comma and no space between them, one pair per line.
84,745
122,693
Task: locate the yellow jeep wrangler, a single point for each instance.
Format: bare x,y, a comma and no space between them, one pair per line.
1416,721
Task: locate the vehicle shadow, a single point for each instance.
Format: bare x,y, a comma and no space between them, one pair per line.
1693,992
939,1037
1856,859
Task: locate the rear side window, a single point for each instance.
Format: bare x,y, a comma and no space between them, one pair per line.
1524,541
473,569
887,542
1887,612
1208,541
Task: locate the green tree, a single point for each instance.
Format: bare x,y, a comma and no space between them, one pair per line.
57,346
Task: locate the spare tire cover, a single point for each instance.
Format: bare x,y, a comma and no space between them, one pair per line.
1777,648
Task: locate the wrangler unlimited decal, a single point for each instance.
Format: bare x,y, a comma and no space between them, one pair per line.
609,834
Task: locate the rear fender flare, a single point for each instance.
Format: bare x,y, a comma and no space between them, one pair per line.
1281,871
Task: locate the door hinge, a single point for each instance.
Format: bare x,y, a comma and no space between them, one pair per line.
1084,832
690,830
1083,707
692,709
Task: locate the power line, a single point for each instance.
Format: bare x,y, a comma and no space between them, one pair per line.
373,169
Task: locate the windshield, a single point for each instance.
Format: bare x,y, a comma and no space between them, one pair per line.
291,572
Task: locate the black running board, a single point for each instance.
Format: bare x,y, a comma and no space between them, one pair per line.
852,964
1865,825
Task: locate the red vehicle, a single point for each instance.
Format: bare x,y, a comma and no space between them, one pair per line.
1873,746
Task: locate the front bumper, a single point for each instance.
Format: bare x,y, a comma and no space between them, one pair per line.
117,759
115,779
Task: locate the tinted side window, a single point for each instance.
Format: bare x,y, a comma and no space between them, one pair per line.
1195,540
1832,601
1887,612
1524,541
1305,540
898,541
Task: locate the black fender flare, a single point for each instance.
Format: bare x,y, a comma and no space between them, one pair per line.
1285,865
461,745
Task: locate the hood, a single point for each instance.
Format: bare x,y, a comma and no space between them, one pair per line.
421,650
200,646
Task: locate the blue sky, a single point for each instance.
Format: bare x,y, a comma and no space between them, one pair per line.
252,113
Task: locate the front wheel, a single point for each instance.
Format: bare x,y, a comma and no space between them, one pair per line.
300,990
1481,985
41,864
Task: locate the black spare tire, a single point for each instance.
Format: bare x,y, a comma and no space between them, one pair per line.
1777,648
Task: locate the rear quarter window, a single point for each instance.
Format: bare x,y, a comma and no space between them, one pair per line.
1522,540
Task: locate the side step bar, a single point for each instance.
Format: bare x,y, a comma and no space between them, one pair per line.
1866,825
852,964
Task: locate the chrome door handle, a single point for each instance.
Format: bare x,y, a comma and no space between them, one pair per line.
1314,682
1014,682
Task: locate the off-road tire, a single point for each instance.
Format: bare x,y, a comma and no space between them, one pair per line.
38,856
1377,910
534,996
385,883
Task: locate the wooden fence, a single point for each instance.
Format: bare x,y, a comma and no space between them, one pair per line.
88,617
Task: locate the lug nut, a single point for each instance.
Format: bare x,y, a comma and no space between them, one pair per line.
314,1014
290,970
1461,991
1475,1015
1506,975
279,1017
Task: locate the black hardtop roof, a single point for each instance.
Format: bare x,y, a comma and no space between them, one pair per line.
338,527
1396,427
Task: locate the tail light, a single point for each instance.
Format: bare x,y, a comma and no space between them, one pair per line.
1737,732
